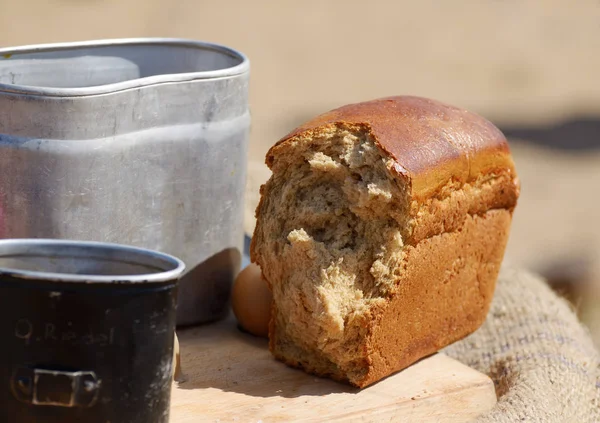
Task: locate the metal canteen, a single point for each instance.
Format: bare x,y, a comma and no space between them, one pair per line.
134,141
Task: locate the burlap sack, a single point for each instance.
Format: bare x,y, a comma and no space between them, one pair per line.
541,359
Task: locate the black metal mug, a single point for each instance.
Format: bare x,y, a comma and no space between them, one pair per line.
86,332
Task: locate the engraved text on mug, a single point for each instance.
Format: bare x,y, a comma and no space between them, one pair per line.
48,332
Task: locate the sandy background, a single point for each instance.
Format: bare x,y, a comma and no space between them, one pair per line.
529,66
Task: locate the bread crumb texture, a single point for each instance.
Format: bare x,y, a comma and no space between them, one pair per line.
365,279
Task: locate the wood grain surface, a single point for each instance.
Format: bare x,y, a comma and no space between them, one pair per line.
231,377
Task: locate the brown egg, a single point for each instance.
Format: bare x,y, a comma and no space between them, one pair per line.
251,301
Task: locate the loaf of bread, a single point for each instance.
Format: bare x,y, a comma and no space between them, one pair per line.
380,233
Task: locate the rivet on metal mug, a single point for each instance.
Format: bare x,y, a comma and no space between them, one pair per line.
134,141
87,332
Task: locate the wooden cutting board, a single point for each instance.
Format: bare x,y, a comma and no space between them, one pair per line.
230,376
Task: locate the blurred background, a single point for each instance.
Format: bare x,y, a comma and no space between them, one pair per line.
531,67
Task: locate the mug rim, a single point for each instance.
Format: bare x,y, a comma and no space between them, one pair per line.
241,68
170,267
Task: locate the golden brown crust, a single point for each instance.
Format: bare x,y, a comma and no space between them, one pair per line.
461,187
444,295
432,143
436,216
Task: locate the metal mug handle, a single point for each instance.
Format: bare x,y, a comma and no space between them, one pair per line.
55,388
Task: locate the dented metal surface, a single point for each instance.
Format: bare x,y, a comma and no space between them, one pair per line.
141,142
